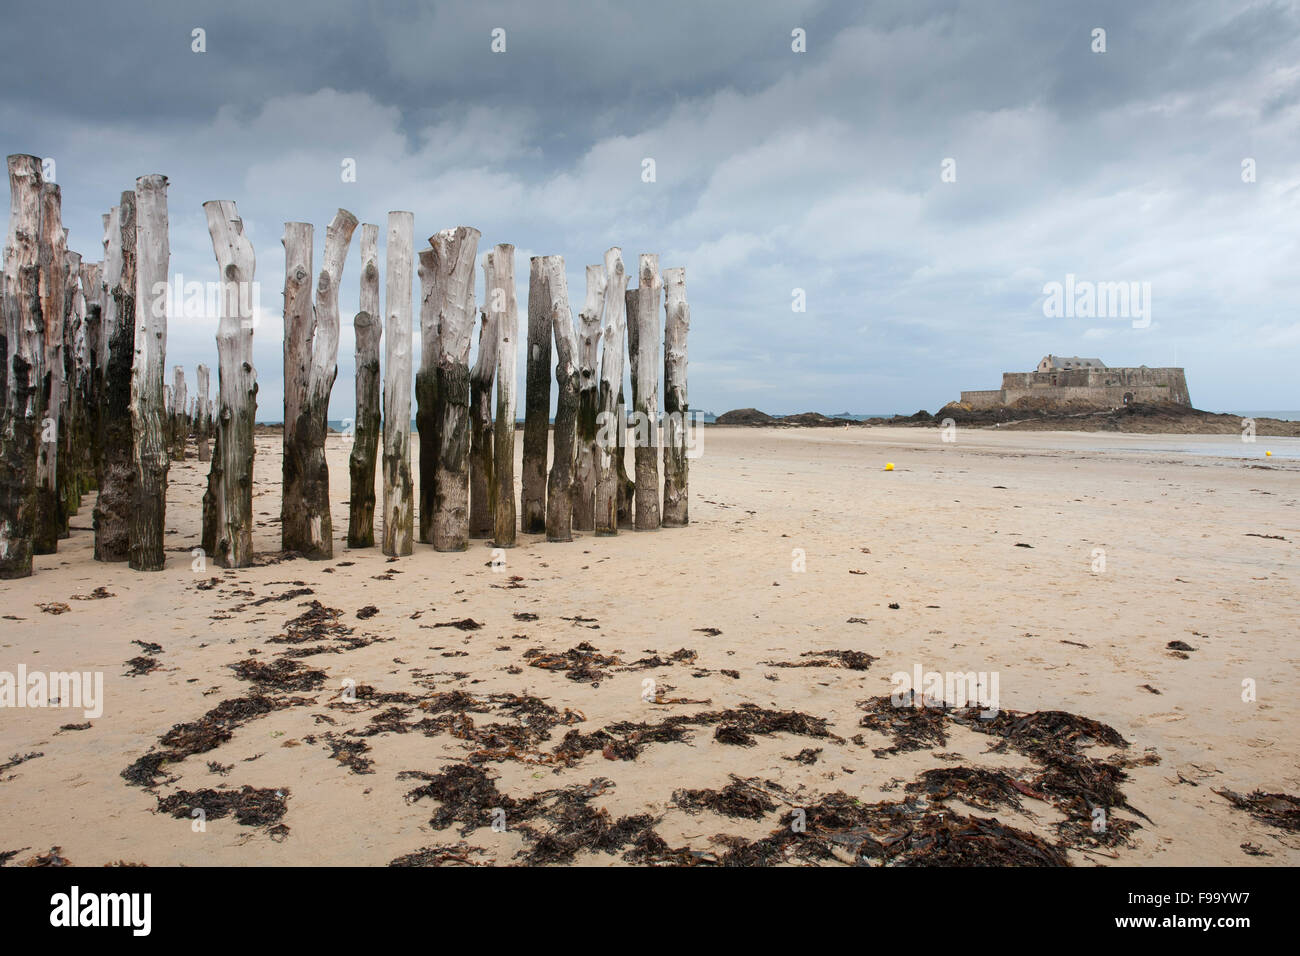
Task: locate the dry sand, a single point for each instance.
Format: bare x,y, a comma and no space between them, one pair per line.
937,536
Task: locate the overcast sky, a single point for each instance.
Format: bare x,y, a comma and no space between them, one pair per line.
775,170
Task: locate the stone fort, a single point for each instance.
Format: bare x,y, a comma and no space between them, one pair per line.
1071,380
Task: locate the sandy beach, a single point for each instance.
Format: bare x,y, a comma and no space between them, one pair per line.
979,555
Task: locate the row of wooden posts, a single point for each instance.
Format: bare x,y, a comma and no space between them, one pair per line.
85,407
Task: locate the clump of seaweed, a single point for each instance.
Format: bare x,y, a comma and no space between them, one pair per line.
853,660
252,807
280,674
740,798
1276,809
582,663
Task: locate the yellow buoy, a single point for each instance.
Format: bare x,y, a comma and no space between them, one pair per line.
1268,454
889,466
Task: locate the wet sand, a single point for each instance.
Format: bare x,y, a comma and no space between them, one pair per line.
1185,560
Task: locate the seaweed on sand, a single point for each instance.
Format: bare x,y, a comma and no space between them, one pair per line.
252,807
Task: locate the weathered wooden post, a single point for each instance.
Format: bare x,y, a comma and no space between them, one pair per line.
228,502
454,251
399,505
117,477
537,402
368,326
53,243
202,414
502,302
299,327
92,284
559,490
71,439
427,416
626,486
20,429
611,399
324,369
180,408
584,478
150,447
306,525
646,371
677,324
481,480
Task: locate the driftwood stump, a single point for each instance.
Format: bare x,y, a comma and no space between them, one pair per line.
117,477
369,329
537,402
399,505
502,303
228,502
150,447
584,478
677,323
559,489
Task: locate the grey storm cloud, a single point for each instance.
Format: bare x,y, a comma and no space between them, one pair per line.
775,170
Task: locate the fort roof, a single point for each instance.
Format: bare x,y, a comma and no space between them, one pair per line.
1069,361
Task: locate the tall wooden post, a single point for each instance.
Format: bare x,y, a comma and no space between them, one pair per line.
503,303
611,401
677,322
454,251
202,414
481,480
584,478
537,402
25,339
368,326
117,476
626,486
299,328
311,356
150,448
427,416
399,513
92,284
319,543
646,370
50,519
228,502
559,490
180,408
71,439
